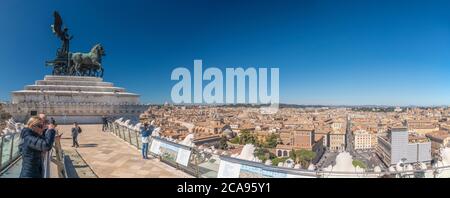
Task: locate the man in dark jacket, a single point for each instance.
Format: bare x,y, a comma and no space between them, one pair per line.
52,121
33,143
105,123
75,131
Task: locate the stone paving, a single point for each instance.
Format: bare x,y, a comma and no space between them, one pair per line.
110,157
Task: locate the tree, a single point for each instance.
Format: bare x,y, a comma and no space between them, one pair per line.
260,153
235,140
278,160
307,156
359,163
223,143
247,138
263,154
303,156
293,155
271,141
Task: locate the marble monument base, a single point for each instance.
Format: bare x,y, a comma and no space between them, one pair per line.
71,99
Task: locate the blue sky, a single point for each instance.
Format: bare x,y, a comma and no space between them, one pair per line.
329,52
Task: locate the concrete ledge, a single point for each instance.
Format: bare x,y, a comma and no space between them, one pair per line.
74,88
76,83
73,78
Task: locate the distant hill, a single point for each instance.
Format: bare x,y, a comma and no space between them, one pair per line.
283,105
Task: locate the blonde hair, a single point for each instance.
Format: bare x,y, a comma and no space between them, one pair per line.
33,121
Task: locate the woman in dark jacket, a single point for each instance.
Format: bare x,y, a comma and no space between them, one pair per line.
33,142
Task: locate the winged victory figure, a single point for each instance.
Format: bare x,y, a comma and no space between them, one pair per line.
62,34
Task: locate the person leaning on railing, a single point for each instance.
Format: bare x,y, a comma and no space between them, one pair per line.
33,143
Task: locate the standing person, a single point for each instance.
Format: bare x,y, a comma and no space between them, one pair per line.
145,133
33,143
49,127
75,131
105,123
52,121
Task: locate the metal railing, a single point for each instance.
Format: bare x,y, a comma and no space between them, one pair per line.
57,158
9,150
206,165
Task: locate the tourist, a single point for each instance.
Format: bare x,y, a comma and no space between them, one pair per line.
48,125
75,131
33,143
45,121
52,121
145,133
105,123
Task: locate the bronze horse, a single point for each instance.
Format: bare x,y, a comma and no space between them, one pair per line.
88,64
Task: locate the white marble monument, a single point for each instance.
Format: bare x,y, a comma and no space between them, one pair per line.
74,98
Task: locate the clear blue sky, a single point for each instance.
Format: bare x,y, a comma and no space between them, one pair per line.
329,52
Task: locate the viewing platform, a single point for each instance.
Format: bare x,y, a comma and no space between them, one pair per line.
102,155
111,157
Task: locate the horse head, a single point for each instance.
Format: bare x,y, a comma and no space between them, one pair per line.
98,50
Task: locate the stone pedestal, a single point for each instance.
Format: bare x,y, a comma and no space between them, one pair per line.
74,98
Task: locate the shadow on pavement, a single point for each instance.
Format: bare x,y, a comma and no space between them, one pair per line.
88,145
70,169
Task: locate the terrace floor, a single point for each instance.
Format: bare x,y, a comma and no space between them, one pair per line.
110,157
